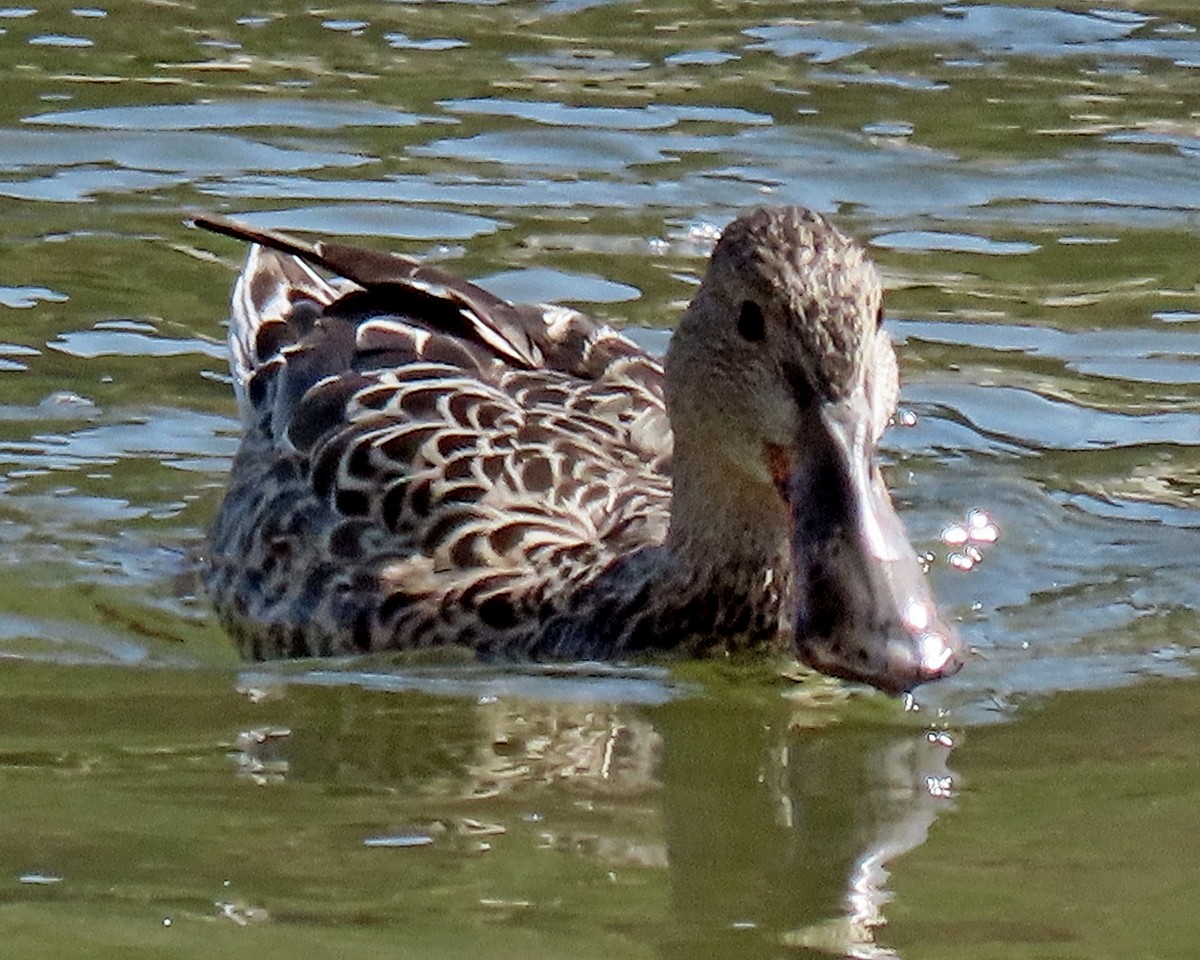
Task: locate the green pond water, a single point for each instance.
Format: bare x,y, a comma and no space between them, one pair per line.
1027,176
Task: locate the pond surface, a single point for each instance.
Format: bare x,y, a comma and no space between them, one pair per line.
1028,178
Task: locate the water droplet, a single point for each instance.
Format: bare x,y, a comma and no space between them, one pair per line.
954,535
981,527
960,561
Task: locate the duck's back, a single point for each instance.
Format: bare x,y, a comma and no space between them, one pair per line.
423,463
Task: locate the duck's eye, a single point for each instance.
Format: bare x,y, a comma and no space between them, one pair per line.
751,325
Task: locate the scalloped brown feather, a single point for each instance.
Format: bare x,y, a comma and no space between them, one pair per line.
425,463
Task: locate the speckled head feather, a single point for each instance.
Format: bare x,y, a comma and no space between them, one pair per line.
427,464
827,291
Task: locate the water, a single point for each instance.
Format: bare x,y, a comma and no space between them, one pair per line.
1026,176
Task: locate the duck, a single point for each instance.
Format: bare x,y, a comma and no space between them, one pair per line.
426,464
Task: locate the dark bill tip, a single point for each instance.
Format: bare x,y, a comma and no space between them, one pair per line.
895,663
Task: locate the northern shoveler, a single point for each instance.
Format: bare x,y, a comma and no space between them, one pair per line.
425,463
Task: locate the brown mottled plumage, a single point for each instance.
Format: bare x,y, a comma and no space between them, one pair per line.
426,464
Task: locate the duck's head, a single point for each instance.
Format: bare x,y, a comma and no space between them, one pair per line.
780,382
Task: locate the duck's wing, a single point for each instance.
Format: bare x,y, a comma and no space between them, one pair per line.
410,435
423,311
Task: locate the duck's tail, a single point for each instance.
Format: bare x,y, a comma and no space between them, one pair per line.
275,300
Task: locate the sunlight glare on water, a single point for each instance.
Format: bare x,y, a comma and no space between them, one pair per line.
1026,177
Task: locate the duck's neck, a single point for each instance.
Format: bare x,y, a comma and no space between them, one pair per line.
723,511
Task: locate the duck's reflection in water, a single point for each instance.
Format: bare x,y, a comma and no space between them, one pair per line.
765,812
773,823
